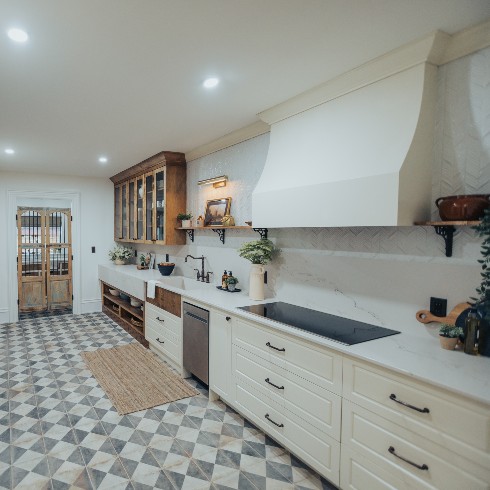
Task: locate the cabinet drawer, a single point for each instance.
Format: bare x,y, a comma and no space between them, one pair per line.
166,343
358,472
377,390
163,318
319,408
155,330
318,451
308,361
399,451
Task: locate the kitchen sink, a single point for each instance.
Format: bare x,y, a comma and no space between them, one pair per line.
185,283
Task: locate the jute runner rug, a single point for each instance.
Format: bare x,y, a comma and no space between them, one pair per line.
135,379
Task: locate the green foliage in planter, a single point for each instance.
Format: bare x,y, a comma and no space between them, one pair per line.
483,231
231,280
184,216
258,251
120,253
450,331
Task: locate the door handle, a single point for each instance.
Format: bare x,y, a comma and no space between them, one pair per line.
421,410
272,384
159,319
391,450
270,420
275,348
161,341
228,318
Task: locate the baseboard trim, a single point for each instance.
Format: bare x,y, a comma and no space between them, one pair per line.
4,316
91,305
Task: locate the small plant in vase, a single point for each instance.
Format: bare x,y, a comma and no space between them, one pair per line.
185,219
120,255
259,252
144,261
448,335
231,282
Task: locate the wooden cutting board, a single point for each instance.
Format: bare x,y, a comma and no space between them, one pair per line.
455,317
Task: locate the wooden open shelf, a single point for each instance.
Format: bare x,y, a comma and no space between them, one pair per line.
446,229
122,313
220,230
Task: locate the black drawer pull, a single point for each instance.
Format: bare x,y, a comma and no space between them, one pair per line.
228,318
391,450
421,410
161,341
275,348
159,319
272,384
270,420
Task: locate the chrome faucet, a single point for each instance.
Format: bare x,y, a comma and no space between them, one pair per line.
201,276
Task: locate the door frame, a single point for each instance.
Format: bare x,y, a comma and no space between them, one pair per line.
14,196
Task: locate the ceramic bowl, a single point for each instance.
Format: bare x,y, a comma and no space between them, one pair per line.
123,296
463,208
166,268
136,302
114,292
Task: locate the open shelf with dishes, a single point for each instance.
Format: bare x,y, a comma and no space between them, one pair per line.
129,317
220,230
446,230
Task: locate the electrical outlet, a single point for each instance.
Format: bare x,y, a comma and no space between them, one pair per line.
438,306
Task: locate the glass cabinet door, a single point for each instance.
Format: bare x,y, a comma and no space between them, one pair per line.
160,205
149,207
124,211
140,216
117,213
132,209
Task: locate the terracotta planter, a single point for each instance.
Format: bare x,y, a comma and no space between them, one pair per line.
120,262
448,343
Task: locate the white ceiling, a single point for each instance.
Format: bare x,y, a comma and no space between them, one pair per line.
123,78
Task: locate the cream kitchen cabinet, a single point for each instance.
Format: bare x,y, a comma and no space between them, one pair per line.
147,199
421,436
220,375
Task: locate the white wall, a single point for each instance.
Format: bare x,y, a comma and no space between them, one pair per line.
380,275
96,228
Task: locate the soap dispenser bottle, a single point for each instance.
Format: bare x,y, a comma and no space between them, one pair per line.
224,277
471,333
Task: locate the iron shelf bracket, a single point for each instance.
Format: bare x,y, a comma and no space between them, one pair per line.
191,234
221,233
447,233
262,232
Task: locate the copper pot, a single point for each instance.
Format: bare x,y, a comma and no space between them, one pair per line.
463,208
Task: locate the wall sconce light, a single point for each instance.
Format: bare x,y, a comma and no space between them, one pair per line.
216,181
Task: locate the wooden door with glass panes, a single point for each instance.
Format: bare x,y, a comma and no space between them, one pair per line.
140,209
58,258
149,207
31,258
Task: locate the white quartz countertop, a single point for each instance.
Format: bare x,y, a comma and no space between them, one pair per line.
419,357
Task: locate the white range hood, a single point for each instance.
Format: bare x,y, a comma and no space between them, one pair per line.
357,151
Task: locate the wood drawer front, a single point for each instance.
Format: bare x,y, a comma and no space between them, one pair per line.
166,300
469,435
308,361
373,436
319,408
358,472
318,451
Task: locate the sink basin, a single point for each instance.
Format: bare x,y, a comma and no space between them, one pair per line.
184,283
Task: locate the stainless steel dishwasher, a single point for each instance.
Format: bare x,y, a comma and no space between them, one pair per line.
196,341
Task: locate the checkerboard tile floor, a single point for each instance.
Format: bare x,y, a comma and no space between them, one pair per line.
58,429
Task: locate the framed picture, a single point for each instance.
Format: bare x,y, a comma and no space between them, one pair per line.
216,209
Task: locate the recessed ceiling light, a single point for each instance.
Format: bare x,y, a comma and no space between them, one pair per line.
17,35
210,82
9,151
103,159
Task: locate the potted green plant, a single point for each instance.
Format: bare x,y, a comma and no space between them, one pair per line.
448,335
185,218
120,255
259,252
231,282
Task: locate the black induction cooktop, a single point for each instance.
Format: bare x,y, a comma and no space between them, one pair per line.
343,330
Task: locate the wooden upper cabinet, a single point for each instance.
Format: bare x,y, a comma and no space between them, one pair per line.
147,199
